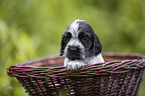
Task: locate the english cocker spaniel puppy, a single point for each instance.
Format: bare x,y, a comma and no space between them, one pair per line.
80,46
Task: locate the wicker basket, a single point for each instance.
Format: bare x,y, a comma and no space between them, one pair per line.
121,75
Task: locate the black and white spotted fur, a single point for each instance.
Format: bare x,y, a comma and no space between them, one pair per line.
80,46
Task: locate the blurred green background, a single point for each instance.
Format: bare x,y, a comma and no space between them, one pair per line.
32,28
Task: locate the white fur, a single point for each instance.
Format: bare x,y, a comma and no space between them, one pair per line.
76,64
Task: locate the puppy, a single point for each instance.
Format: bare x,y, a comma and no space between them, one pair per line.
80,46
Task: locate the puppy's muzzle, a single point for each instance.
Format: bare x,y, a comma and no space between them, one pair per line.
73,53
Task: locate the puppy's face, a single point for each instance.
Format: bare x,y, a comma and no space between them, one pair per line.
79,41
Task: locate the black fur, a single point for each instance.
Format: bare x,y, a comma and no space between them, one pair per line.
97,47
86,40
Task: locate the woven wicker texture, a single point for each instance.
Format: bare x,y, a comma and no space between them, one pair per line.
121,75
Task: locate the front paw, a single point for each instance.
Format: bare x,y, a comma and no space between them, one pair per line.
74,65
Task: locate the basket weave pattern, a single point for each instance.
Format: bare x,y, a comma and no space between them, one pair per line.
120,76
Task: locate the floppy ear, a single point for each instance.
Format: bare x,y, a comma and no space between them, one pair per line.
65,39
62,47
97,47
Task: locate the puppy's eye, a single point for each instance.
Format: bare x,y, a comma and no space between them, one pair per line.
84,38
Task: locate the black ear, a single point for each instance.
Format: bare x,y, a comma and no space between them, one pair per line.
65,39
62,48
97,47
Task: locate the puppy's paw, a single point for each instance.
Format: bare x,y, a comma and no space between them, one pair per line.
74,65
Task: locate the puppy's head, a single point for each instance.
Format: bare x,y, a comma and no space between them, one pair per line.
79,41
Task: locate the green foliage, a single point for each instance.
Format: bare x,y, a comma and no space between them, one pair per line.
33,28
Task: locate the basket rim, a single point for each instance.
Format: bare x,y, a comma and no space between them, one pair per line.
109,54
99,69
